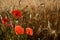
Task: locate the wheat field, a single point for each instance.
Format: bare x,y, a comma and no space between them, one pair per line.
44,16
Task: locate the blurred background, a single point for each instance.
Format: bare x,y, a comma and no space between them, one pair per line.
43,16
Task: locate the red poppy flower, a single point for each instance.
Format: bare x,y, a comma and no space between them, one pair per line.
17,13
4,21
29,31
19,30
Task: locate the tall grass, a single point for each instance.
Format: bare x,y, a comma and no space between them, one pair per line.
41,15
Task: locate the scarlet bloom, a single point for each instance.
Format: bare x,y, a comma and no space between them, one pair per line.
17,13
19,30
29,31
4,21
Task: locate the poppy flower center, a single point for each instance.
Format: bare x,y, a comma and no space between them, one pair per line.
16,14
